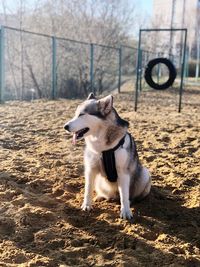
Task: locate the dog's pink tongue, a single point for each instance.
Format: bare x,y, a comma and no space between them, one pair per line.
74,139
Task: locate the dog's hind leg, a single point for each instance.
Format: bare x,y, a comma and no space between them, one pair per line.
146,180
141,186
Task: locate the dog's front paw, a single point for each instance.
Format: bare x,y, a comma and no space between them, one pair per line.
126,214
86,206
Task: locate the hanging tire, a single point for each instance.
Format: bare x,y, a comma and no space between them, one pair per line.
148,73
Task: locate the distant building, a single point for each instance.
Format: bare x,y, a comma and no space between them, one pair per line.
179,14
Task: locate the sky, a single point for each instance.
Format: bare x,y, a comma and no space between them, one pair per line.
146,5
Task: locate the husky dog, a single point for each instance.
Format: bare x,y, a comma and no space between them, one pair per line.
112,166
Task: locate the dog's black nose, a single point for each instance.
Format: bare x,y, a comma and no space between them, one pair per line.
66,127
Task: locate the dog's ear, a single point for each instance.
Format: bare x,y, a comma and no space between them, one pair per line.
105,104
91,96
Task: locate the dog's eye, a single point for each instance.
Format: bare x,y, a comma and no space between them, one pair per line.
81,114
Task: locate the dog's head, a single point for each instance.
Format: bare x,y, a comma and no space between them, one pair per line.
91,116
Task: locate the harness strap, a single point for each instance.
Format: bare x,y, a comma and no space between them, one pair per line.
108,157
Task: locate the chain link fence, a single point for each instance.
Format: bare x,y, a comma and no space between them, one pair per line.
36,66
106,65
72,61
128,63
26,65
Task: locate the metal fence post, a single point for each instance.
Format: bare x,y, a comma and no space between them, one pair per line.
182,72
92,67
187,65
2,65
138,71
54,76
141,59
120,69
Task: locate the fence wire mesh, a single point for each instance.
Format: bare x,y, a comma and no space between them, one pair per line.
72,69
42,66
27,59
106,69
128,63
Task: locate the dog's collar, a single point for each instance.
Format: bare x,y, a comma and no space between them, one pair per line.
108,158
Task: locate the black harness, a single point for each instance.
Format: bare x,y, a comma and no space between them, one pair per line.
108,157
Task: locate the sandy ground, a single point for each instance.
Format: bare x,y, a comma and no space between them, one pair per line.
42,184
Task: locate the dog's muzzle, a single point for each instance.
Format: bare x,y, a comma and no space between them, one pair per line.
77,135
66,127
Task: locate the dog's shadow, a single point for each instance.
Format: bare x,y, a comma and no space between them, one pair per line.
159,206
165,212
160,214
